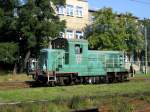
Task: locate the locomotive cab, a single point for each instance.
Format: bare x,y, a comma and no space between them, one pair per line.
65,57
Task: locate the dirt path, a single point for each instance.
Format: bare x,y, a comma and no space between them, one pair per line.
138,106
14,85
141,105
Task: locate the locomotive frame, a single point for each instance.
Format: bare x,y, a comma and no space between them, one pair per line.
70,62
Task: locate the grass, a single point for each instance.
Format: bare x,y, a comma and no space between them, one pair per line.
64,98
142,75
38,107
120,105
70,91
66,92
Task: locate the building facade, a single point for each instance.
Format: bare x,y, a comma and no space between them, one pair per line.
91,16
76,15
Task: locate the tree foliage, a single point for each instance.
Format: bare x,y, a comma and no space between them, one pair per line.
37,21
8,52
111,31
146,23
8,45
30,25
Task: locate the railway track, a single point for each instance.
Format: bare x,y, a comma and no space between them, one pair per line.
86,110
15,85
27,84
93,109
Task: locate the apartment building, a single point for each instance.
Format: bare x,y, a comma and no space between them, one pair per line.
91,16
76,15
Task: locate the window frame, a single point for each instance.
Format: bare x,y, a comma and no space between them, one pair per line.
61,10
69,32
78,49
62,35
69,10
79,11
79,34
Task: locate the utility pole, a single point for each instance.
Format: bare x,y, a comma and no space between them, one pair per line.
146,50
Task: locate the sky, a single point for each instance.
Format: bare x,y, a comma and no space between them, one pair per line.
139,8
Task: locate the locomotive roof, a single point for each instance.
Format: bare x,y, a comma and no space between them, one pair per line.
96,51
50,50
70,40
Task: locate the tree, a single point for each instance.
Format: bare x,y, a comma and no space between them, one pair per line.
135,37
148,43
8,45
106,32
31,24
146,23
111,31
37,25
1,17
8,52
8,26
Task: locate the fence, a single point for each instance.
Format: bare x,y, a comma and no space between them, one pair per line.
138,66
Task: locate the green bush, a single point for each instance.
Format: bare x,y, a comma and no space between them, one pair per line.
120,105
81,102
35,107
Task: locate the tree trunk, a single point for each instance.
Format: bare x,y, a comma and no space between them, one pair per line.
50,44
129,56
26,58
15,69
138,58
24,65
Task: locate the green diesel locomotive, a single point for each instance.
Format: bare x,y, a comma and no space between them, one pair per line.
70,62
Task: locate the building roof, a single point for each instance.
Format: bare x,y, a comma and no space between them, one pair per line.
92,10
69,40
83,0
119,15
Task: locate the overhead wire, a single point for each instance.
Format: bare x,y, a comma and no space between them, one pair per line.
141,2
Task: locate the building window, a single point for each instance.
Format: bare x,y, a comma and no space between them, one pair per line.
79,35
60,10
79,11
92,18
62,35
70,10
69,34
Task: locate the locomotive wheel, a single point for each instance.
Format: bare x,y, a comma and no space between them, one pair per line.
102,79
77,80
85,80
108,79
67,81
125,77
120,78
60,81
51,84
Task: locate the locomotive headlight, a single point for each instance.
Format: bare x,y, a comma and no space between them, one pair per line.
44,67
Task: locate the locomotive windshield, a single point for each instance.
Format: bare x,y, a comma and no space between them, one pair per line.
43,60
60,43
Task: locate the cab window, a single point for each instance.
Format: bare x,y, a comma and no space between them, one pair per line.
78,49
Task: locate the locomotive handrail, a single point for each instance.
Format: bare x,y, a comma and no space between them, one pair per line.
114,61
55,62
